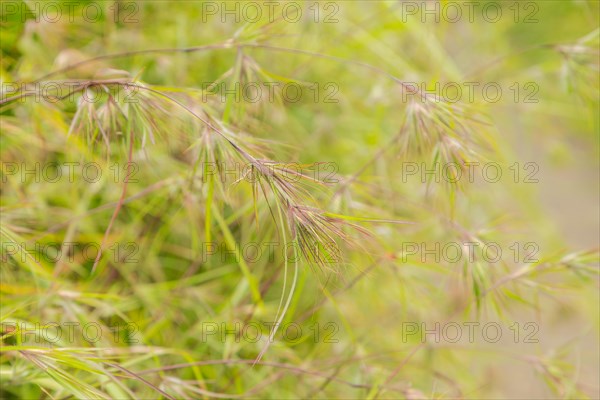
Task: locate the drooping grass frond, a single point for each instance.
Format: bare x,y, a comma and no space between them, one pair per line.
445,132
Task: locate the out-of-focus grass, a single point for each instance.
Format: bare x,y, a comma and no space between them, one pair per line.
177,317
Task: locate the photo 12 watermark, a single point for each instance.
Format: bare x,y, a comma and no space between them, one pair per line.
253,252
326,12
125,12
469,172
70,332
83,91
470,251
68,252
253,332
324,172
271,92
472,92
69,172
468,332
490,12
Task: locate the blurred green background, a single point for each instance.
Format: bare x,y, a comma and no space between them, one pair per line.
356,117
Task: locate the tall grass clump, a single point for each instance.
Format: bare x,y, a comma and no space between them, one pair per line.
277,209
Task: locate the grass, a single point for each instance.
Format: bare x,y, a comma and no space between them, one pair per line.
165,241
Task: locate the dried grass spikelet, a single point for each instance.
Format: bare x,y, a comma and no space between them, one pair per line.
581,66
290,190
318,234
448,135
107,109
456,131
284,186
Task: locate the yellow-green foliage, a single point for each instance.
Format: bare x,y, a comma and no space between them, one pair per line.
333,199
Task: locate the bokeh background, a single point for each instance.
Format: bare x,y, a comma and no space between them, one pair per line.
358,118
